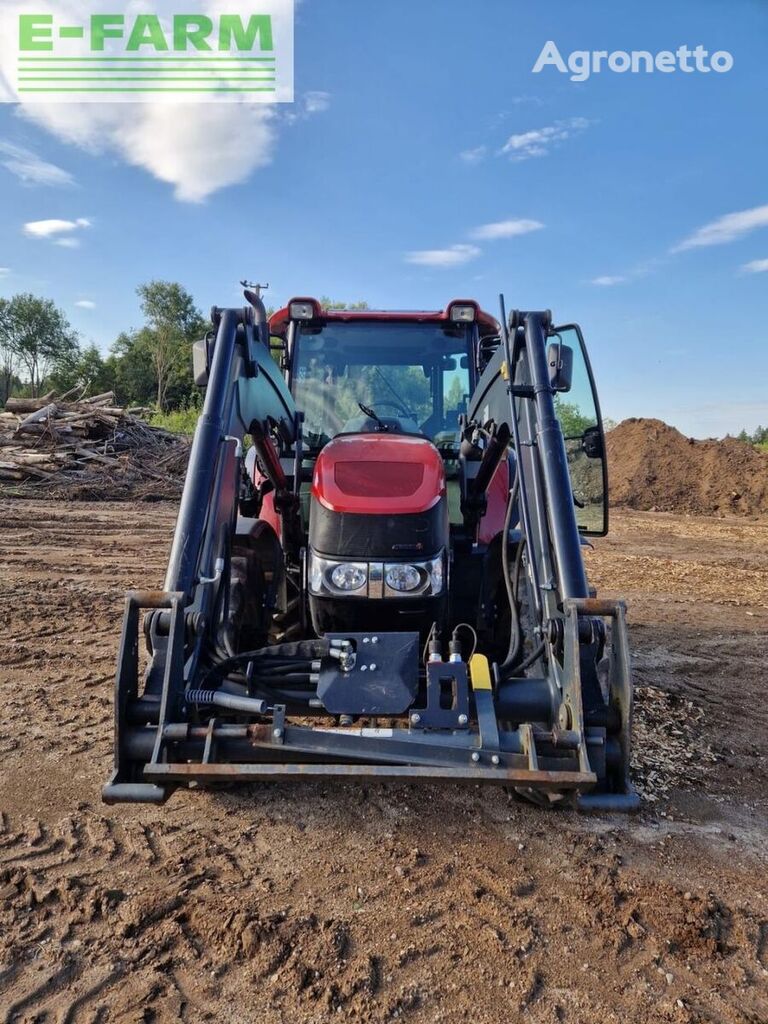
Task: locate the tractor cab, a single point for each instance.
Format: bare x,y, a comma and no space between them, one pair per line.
383,373
383,398
359,371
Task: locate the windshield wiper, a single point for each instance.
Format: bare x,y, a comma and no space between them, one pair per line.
372,416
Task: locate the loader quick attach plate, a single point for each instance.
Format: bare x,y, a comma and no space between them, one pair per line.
159,748
383,680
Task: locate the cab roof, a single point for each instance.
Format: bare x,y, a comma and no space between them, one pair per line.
487,324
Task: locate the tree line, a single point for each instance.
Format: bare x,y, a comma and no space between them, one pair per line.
758,436
148,366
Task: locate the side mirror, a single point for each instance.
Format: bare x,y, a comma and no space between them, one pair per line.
201,359
560,363
592,443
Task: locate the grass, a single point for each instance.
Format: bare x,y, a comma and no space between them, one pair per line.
178,421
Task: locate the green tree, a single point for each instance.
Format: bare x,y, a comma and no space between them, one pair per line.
572,420
454,396
9,358
130,367
173,322
34,336
83,368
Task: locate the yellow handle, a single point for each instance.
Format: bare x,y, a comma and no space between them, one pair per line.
480,672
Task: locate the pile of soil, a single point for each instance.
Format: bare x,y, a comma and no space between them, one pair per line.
654,467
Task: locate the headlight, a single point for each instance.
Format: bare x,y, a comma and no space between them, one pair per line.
462,314
301,310
414,579
403,577
328,577
349,576
332,578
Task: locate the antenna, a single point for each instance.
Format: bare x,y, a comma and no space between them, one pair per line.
257,288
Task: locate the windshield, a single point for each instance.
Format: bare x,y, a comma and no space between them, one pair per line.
414,377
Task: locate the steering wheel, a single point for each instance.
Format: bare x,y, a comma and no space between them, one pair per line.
395,405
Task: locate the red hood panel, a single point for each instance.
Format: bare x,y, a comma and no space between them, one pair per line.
376,474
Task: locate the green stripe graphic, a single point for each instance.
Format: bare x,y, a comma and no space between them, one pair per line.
244,88
209,60
148,78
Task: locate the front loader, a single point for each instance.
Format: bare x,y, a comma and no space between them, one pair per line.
377,565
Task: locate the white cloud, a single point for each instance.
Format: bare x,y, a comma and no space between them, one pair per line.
474,156
30,169
726,229
196,148
59,231
453,256
505,229
4,271
756,267
306,106
608,280
539,141
316,102
85,304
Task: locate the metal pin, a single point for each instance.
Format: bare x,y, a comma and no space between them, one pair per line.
495,759
475,756
463,719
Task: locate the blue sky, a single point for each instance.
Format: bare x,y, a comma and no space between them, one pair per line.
417,130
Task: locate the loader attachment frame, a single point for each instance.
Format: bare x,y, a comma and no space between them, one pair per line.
541,725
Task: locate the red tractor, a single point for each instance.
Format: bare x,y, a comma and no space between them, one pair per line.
388,580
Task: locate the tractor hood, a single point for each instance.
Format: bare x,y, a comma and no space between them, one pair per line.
379,474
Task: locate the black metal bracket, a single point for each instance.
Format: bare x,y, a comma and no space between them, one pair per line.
447,697
125,785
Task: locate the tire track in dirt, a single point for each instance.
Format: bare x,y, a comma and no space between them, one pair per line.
361,903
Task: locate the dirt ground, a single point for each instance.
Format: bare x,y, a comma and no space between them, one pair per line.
376,903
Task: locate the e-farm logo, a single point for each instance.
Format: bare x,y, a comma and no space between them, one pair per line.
201,52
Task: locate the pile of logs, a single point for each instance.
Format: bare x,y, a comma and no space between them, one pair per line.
87,448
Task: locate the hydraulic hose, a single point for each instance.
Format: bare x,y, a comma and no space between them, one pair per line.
293,666
292,679
532,657
509,583
277,657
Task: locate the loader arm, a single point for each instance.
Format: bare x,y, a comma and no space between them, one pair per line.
516,390
246,394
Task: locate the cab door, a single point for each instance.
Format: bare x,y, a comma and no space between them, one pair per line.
578,409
